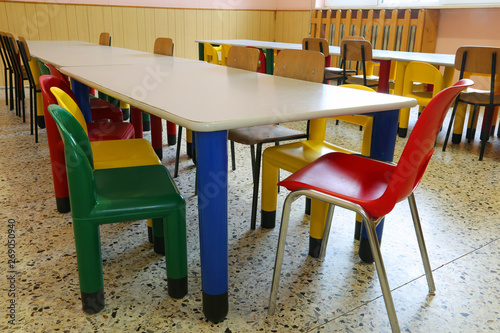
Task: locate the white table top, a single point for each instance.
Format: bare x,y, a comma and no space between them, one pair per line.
447,60
205,97
77,53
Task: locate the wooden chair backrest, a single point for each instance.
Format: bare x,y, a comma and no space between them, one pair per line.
316,44
164,46
300,64
26,49
11,36
243,58
354,48
478,59
105,39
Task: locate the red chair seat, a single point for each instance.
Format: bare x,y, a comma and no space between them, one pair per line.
346,176
110,131
102,109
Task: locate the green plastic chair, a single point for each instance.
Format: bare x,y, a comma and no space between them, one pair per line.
117,195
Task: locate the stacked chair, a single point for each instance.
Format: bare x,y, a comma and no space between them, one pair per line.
118,193
99,129
33,74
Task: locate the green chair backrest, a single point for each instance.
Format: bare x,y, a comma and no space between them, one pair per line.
79,162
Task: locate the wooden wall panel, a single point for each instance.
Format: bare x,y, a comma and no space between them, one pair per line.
96,23
32,24
72,24
58,21
137,27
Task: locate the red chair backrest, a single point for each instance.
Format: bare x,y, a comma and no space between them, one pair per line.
420,145
54,139
55,72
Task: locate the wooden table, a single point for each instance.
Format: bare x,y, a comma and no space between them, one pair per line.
210,100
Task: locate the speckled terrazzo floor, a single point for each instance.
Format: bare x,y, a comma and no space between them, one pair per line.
459,204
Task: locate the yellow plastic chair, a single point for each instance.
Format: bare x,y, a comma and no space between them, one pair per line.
294,156
211,53
224,54
417,76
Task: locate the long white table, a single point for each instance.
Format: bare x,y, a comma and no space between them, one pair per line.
437,59
211,99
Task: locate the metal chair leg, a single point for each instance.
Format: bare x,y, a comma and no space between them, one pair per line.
178,152
233,158
382,276
256,179
421,243
449,126
280,251
326,233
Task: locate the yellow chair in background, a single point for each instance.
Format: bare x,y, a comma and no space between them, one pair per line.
211,53
294,156
416,78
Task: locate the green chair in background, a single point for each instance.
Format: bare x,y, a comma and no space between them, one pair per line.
117,195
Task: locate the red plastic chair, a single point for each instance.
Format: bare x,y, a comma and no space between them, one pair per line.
371,188
100,109
56,148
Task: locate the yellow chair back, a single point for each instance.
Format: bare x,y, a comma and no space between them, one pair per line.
64,100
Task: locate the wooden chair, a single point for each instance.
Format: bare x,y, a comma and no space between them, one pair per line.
19,74
480,60
33,74
321,45
162,46
105,39
416,78
359,51
7,71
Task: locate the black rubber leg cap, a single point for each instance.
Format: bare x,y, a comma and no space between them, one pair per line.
402,132
146,126
171,139
93,302
314,247
159,245
150,235
215,307
456,138
357,230
268,219
308,206
126,114
159,153
189,147
365,252
40,120
177,288
62,205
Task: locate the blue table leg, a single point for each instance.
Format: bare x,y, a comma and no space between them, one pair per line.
212,207
384,133
81,92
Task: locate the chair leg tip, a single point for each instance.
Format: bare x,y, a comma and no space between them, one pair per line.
93,302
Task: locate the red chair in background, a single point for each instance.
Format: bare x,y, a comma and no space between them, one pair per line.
100,108
371,188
